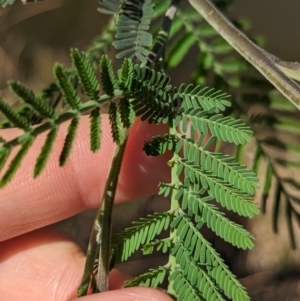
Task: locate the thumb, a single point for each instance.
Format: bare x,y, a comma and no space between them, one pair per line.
58,193
128,294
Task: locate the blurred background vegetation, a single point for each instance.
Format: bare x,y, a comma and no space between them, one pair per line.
34,37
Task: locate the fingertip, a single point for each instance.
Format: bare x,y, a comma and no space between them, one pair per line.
117,279
129,294
60,192
141,174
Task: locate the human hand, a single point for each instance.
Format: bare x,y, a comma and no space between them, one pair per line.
36,261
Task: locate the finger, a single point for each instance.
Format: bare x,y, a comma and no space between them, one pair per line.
45,265
40,265
129,294
27,204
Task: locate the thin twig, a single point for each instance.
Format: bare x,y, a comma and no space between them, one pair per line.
259,58
100,238
157,52
105,215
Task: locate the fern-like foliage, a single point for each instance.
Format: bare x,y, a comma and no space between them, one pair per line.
198,251
38,103
200,177
132,89
153,88
203,181
275,122
142,232
207,98
132,22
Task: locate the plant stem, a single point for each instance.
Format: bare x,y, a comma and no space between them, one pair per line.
105,214
157,52
259,58
101,232
174,209
85,108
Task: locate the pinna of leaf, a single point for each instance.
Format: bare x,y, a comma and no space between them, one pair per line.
208,176
199,176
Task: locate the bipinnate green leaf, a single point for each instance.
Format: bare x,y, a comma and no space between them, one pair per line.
86,73
202,253
72,130
132,23
17,160
151,95
107,75
228,196
215,220
38,103
69,92
45,151
95,129
183,288
224,128
194,278
207,98
16,119
140,233
222,166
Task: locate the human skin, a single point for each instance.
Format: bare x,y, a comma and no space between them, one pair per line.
37,262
